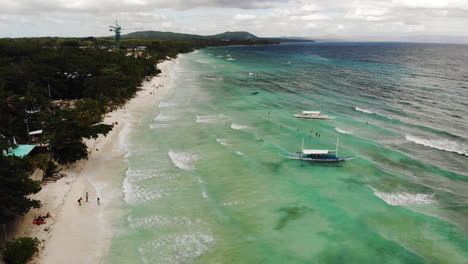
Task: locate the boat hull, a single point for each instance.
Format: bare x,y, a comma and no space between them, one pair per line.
319,117
318,159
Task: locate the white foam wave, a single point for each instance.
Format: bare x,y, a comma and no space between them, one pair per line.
219,56
209,119
230,59
440,144
222,141
166,104
135,193
153,126
174,249
156,220
163,118
342,131
233,203
202,61
213,78
204,195
240,153
367,111
183,160
238,126
137,175
252,74
402,198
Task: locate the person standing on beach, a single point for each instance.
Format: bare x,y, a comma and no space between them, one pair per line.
87,196
79,201
98,200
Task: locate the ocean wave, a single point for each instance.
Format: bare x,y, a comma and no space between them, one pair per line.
183,160
156,220
166,104
402,198
252,74
213,78
230,59
343,131
240,153
134,175
172,249
367,111
233,203
202,61
222,141
135,193
238,126
153,126
209,119
440,144
163,118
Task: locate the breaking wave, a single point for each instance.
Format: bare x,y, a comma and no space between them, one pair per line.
183,160
342,131
440,144
238,126
172,249
165,104
367,111
403,198
222,141
164,118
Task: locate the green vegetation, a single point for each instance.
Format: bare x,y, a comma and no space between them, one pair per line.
15,186
20,250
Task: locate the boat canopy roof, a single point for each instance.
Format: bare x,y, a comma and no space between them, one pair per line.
314,151
311,112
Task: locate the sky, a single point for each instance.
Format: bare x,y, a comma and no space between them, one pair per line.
264,18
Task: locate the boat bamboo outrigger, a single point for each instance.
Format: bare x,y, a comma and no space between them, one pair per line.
322,155
313,115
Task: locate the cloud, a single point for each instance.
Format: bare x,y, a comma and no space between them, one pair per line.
244,17
308,18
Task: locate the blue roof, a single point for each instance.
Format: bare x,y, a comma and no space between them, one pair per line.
21,150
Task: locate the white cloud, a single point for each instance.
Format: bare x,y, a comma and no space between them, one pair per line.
261,17
244,17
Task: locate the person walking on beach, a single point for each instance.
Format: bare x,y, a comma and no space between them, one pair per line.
79,201
98,200
87,196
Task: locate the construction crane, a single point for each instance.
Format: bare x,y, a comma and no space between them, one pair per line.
117,29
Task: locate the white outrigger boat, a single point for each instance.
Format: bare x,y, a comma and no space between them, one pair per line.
313,115
321,155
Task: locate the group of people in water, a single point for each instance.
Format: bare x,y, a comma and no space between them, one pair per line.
87,196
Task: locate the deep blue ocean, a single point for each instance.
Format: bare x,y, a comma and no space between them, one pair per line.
205,182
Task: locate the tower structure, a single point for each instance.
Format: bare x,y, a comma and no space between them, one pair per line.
117,29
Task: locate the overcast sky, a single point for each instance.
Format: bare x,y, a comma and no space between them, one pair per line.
264,18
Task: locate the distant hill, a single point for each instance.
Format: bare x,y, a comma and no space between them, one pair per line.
238,35
229,35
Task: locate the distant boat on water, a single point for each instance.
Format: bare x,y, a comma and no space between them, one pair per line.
254,93
320,155
313,115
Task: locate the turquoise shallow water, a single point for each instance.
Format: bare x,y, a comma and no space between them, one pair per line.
202,188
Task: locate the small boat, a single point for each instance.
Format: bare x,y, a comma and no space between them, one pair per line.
254,93
320,155
313,115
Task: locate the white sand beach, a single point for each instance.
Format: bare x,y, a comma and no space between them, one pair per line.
81,234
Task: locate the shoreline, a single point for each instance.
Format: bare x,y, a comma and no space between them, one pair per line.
82,234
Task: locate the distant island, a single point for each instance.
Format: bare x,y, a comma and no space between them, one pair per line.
226,36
